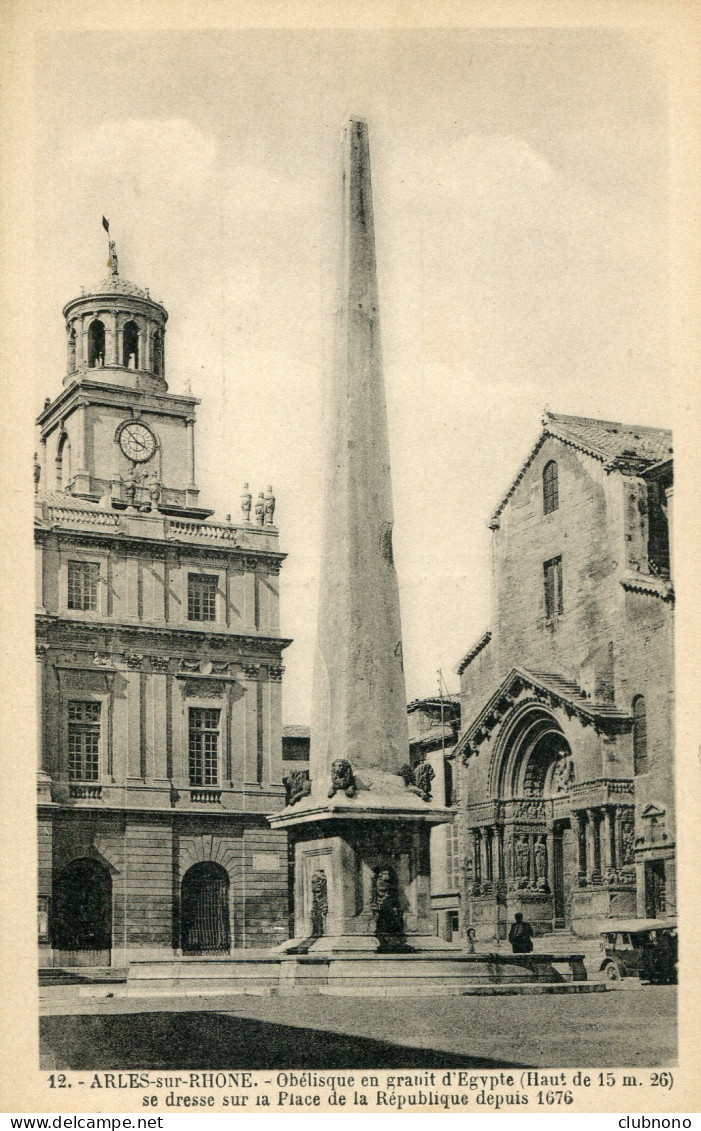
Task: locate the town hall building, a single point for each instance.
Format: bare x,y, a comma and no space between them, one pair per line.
566,809
159,661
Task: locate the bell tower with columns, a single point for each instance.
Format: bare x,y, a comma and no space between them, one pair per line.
115,432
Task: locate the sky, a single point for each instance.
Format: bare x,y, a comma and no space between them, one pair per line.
520,183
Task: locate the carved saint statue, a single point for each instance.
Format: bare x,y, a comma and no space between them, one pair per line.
260,509
320,903
246,503
269,507
522,854
540,854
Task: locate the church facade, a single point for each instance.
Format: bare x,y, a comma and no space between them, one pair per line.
159,666
567,741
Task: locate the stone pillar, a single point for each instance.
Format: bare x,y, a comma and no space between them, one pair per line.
43,779
501,873
477,854
192,486
581,843
550,865
594,844
485,854
111,338
531,856
490,831
608,846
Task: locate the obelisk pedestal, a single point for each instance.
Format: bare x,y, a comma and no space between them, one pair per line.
361,825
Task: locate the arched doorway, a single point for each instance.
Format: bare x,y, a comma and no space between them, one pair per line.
82,922
534,776
205,910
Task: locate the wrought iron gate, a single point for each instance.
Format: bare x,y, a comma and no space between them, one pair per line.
205,910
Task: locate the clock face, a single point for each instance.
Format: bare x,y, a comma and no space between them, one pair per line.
137,442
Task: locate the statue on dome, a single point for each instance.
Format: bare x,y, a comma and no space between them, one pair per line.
113,261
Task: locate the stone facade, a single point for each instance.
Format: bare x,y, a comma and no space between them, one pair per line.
567,785
159,668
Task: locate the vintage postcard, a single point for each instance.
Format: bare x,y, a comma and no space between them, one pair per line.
350,723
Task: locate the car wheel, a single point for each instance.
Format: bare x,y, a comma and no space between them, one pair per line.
612,972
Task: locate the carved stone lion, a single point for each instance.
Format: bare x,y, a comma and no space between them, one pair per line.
297,785
342,778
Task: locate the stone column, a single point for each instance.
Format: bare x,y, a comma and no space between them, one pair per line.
477,854
489,834
581,843
593,844
111,338
192,486
43,779
608,846
484,865
500,852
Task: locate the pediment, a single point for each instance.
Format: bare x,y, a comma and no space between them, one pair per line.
652,810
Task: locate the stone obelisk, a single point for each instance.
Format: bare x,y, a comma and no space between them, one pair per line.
361,824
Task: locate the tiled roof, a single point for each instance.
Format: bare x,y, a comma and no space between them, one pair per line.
609,439
613,443
475,650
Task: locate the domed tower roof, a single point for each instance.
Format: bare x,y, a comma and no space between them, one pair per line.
118,329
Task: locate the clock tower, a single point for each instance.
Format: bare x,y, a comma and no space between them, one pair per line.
115,434
159,666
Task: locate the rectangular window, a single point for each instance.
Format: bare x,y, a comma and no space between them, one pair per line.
553,588
201,596
204,746
83,741
82,585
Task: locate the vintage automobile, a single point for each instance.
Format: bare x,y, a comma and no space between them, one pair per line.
643,948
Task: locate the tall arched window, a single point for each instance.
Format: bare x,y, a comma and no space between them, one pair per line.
130,340
157,363
96,344
551,496
639,735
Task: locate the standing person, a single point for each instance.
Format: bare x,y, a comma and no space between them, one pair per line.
521,935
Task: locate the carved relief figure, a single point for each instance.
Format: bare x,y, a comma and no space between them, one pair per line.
424,775
406,774
320,903
342,778
540,854
297,785
627,842
521,857
389,920
563,775
246,503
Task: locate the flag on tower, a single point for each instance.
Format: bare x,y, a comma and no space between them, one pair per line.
105,224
